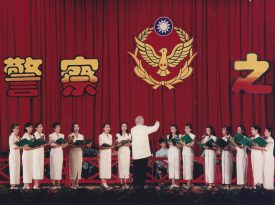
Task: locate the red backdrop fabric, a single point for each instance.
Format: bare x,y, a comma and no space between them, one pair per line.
224,31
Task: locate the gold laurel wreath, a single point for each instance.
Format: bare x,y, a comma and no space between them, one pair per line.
184,72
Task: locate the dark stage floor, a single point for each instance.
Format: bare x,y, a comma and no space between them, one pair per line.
151,195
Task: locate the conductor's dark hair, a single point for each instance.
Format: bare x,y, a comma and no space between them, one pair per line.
243,129
28,124
257,127
177,130
13,126
212,131
228,129
55,124
72,128
120,130
37,124
189,125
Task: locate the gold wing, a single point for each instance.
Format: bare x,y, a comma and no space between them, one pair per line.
148,53
180,51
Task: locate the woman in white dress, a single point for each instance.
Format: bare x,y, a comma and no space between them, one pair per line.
14,157
268,160
257,158
173,156
76,157
209,157
27,157
105,155
38,157
241,160
124,154
188,155
227,158
56,156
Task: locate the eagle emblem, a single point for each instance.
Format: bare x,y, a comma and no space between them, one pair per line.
163,60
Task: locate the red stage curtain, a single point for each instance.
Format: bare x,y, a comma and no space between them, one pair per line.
224,31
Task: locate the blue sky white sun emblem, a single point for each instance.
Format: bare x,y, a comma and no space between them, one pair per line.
163,26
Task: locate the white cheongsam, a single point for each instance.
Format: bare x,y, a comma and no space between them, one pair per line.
14,160
76,157
269,164
123,157
241,164
173,161
257,162
188,159
56,157
105,157
27,161
38,159
210,162
227,163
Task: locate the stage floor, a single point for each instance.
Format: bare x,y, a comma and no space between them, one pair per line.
151,195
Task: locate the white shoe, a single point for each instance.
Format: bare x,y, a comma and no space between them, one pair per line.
210,187
26,188
105,186
173,186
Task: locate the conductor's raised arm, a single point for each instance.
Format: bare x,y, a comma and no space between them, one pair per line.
154,128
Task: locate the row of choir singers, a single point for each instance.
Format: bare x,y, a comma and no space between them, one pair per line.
33,159
262,158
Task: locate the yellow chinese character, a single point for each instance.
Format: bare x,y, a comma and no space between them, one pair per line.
79,70
19,69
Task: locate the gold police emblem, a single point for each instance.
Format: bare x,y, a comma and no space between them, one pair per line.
171,64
